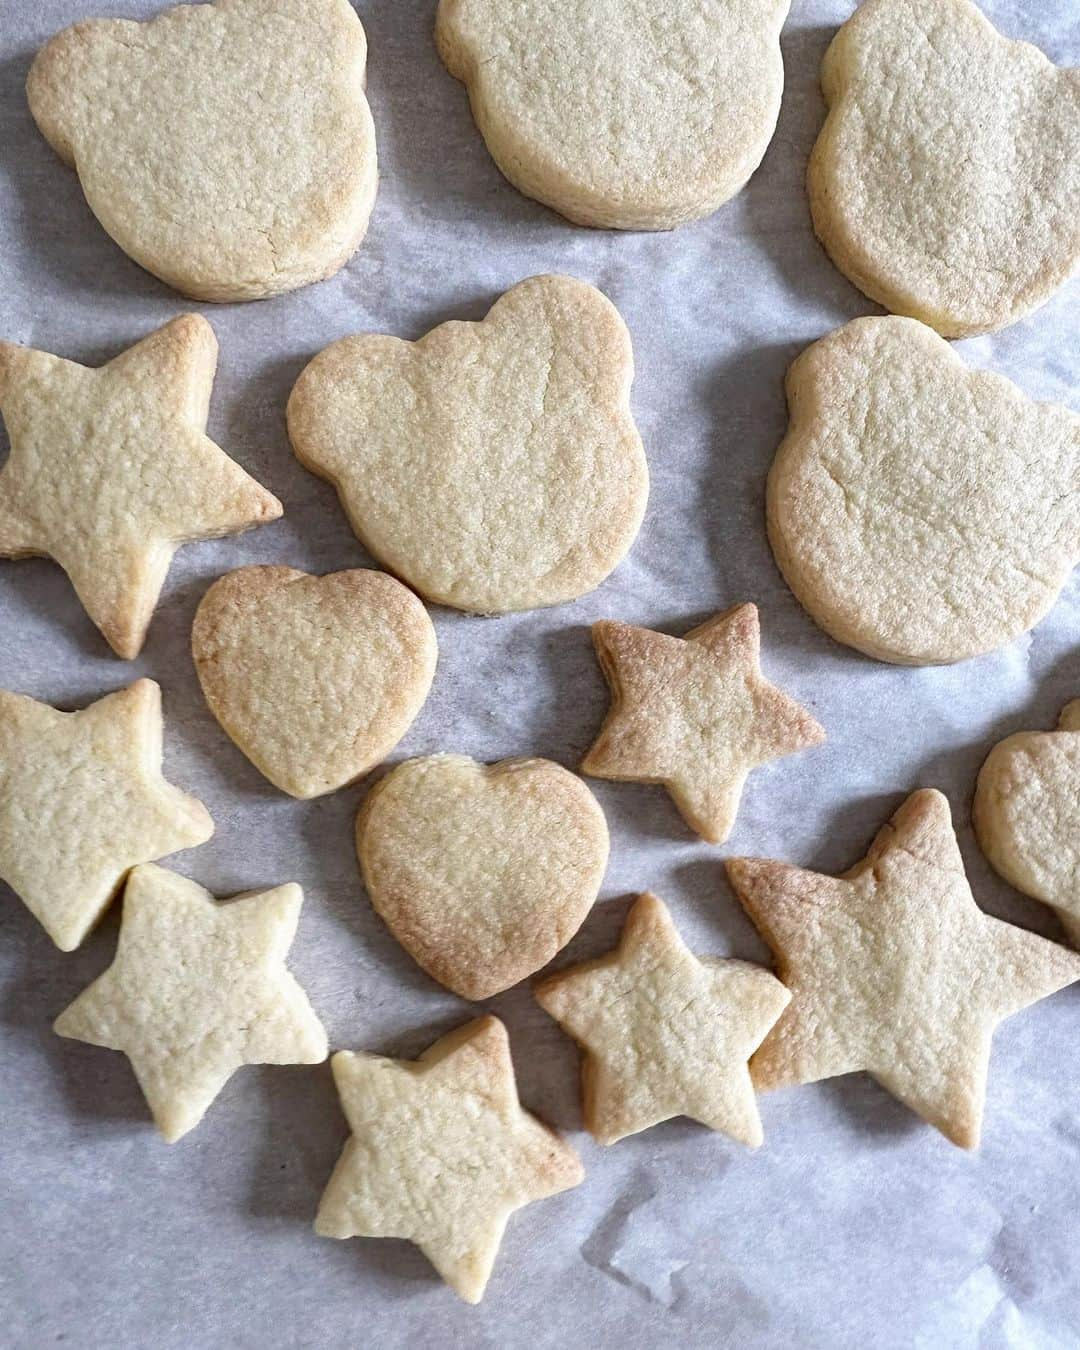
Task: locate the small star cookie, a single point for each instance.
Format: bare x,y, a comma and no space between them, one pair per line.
894,969
110,470
694,714
196,990
1027,814
441,1153
664,1032
82,800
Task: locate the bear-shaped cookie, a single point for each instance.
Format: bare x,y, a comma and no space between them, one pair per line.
946,178
1027,814
620,113
493,466
228,147
921,511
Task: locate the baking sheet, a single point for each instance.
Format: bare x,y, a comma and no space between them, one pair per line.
855,1224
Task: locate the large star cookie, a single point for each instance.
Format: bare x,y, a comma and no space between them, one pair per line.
228,148
316,679
1027,814
493,466
894,969
110,469
694,714
620,113
82,800
441,1153
196,990
904,505
664,1032
946,177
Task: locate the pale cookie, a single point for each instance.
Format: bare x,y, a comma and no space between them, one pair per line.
482,872
316,679
196,990
228,148
493,466
110,470
620,113
694,714
893,969
665,1033
922,512
945,180
82,800
1027,814
441,1153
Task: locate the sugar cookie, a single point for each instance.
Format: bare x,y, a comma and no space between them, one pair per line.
110,470
316,679
1027,814
945,180
616,112
228,147
694,714
441,1153
893,969
482,872
82,800
664,1032
922,511
493,466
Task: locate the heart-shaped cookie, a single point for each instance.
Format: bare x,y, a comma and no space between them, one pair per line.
482,872
316,679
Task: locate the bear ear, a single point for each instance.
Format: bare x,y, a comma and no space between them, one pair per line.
60,81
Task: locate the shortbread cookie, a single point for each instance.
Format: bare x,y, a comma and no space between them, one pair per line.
894,969
110,470
694,714
228,147
617,113
197,989
921,511
945,181
482,872
1027,814
316,679
493,466
664,1032
82,800
441,1153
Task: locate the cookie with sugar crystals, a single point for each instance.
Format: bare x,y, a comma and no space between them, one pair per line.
1027,814
481,871
620,113
944,182
894,970
694,714
316,679
664,1032
82,801
493,466
441,1153
111,469
227,147
904,505
196,990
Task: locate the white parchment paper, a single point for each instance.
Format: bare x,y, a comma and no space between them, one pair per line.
855,1224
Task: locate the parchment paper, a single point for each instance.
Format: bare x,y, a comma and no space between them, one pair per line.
855,1224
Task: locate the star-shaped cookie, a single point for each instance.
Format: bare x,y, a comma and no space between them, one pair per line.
664,1032
694,714
110,470
196,990
441,1153
894,969
82,800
